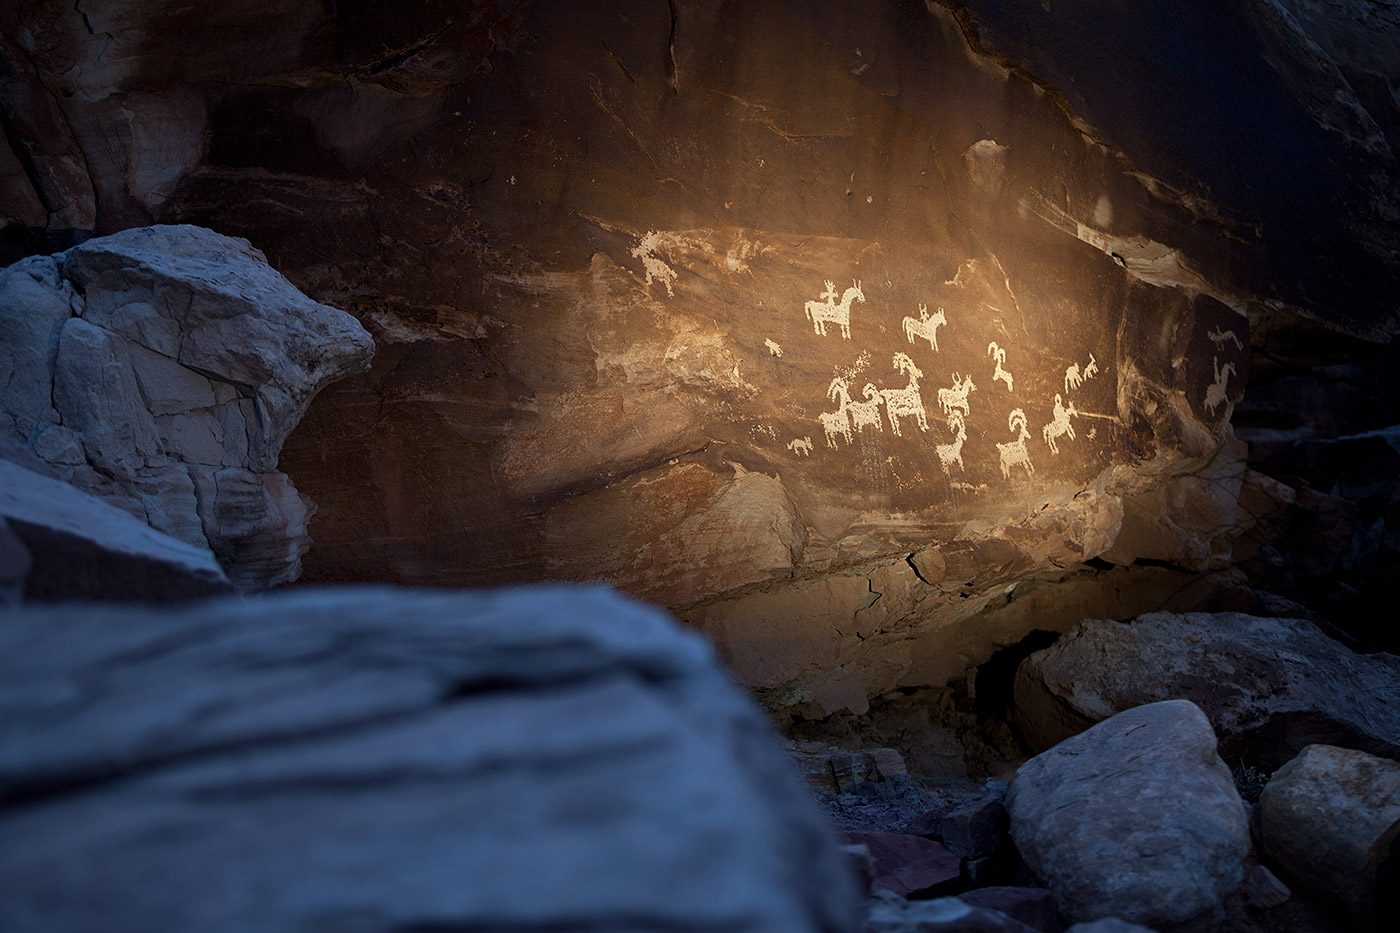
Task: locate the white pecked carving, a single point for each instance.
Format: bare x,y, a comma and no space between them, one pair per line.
801,446
656,269
998,354
948,454
837,423
906,401
1060,426
956,397
924,327
866,414
773,348
1218,337
1014,453
1215,392
829,311
1074,378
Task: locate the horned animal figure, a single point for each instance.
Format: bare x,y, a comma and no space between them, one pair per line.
948,454
1215,392
837,423
801,446
956,397
1014,453
1074,379
1092,369
925,326
998,354
1060,425
906,401
866,414
827,311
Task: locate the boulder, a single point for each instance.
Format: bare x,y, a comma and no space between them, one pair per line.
1135,818
1109,925
889,914
59,543
1328,821
1269,686
547,759
162,368
909,866
976,828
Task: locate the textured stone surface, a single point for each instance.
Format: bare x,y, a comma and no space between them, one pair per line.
940,915
378,759
1328,821
74,546
909,866
162,368
1268,686
587,238
1136,818
1035,907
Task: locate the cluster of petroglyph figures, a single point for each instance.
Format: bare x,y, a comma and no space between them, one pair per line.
854,416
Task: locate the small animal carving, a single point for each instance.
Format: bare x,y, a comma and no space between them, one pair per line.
906,401
1215,392
801,446
828,311
1014,453
866,414
837,423
1218,337
998,354
956,397
925,326
1074,378
1060,425
949,454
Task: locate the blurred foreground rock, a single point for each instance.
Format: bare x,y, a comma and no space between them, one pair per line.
161,369
546,759
1136,818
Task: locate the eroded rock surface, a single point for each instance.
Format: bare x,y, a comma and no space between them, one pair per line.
377,759
838,283
1137,818
162,369
1268,686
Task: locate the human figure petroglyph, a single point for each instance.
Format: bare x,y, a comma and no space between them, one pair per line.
998,354
837,423
906,401
1060,426
1218,337
1014,453
1215,392
925,326
828,311
801,446
948,454
1074,378
866,414
956,397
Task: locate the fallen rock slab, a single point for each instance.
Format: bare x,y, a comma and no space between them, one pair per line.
909,866
1268,686
1136,818
77,547
371,758
1328,822
888,914
1035,907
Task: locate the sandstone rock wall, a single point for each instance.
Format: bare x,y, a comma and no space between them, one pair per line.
833,327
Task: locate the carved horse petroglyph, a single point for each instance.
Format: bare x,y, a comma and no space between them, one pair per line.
837,422
1074,379
925,326
1215,392
948,454
956,397
828,311
1060,425
802,446
906,401
1014,453
998,354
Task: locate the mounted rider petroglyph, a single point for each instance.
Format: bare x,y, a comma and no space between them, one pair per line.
829,311
1218,337
906,401
801,446
1074,378
1215,392
924,327
1014,453
956,397
949,454
1060,425
998,354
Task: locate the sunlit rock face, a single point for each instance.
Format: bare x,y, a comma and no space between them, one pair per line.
837,328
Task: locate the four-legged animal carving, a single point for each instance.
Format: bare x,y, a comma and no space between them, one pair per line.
837,423
949,454
828,311
801,446
866,414
1060,425
956,397
905,401
998,354
1014,453
1215,392
925,326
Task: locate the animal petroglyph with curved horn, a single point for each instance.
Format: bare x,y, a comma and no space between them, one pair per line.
998,354
949,454
1014,453
837,423
906,401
